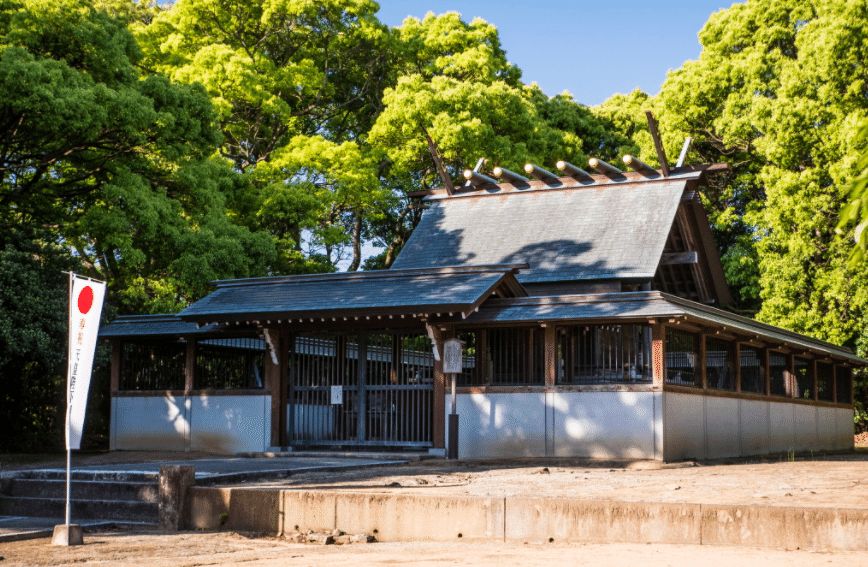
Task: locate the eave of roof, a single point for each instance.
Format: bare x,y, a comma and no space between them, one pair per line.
641,306
145,326
382,292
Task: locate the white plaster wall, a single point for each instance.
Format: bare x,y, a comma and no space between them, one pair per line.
826,435
805,418
604,424
722,428
150,423
500,425
754,427
782,427
230,424
843,428
683,427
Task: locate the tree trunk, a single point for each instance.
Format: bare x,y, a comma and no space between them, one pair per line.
357,243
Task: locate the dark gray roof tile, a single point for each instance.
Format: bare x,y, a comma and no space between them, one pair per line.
599,232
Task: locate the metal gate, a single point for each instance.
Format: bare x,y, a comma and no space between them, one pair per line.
371,389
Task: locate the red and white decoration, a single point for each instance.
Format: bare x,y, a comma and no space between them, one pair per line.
85,308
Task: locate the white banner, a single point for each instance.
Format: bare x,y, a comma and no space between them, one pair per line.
85,308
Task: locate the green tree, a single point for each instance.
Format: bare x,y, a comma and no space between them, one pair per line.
114,164
457,99
778,92
288,78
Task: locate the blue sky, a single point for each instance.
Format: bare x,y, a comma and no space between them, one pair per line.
591,49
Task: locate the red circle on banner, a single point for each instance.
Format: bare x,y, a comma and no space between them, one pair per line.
85,300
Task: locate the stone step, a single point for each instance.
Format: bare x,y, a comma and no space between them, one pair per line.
85,490
81,509
94,475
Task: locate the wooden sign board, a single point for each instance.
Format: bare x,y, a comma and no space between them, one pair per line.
452,356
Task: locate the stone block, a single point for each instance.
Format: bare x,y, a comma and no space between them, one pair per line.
67,535
175,481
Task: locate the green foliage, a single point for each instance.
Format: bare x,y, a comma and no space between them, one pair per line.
33,326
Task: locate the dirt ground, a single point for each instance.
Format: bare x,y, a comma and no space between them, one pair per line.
799,481
197,549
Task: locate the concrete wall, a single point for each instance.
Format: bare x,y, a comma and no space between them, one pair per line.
221,424
404,517
560,424
708,427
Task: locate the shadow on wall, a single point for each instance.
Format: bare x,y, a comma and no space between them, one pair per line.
583,424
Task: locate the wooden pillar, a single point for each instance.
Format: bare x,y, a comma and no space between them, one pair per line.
766,372
272,385
115,377
277,382
791,376
736,352
190,367
551,356
850,387
814,391
439,390
703,378
834,383
658,355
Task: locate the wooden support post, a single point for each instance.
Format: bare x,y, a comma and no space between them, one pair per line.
551,356
737,384
396,359
658,355
765,371
850,387
835,383
190,367
286,343
814,391
795,388
271,385
115,379
703,374
439,392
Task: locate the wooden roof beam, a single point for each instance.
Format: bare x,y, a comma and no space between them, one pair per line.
510,176
539,172
638,165
603,167
658,144
477,179
670,258
572,170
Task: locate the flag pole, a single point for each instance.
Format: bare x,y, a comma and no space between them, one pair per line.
68,403
89,301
